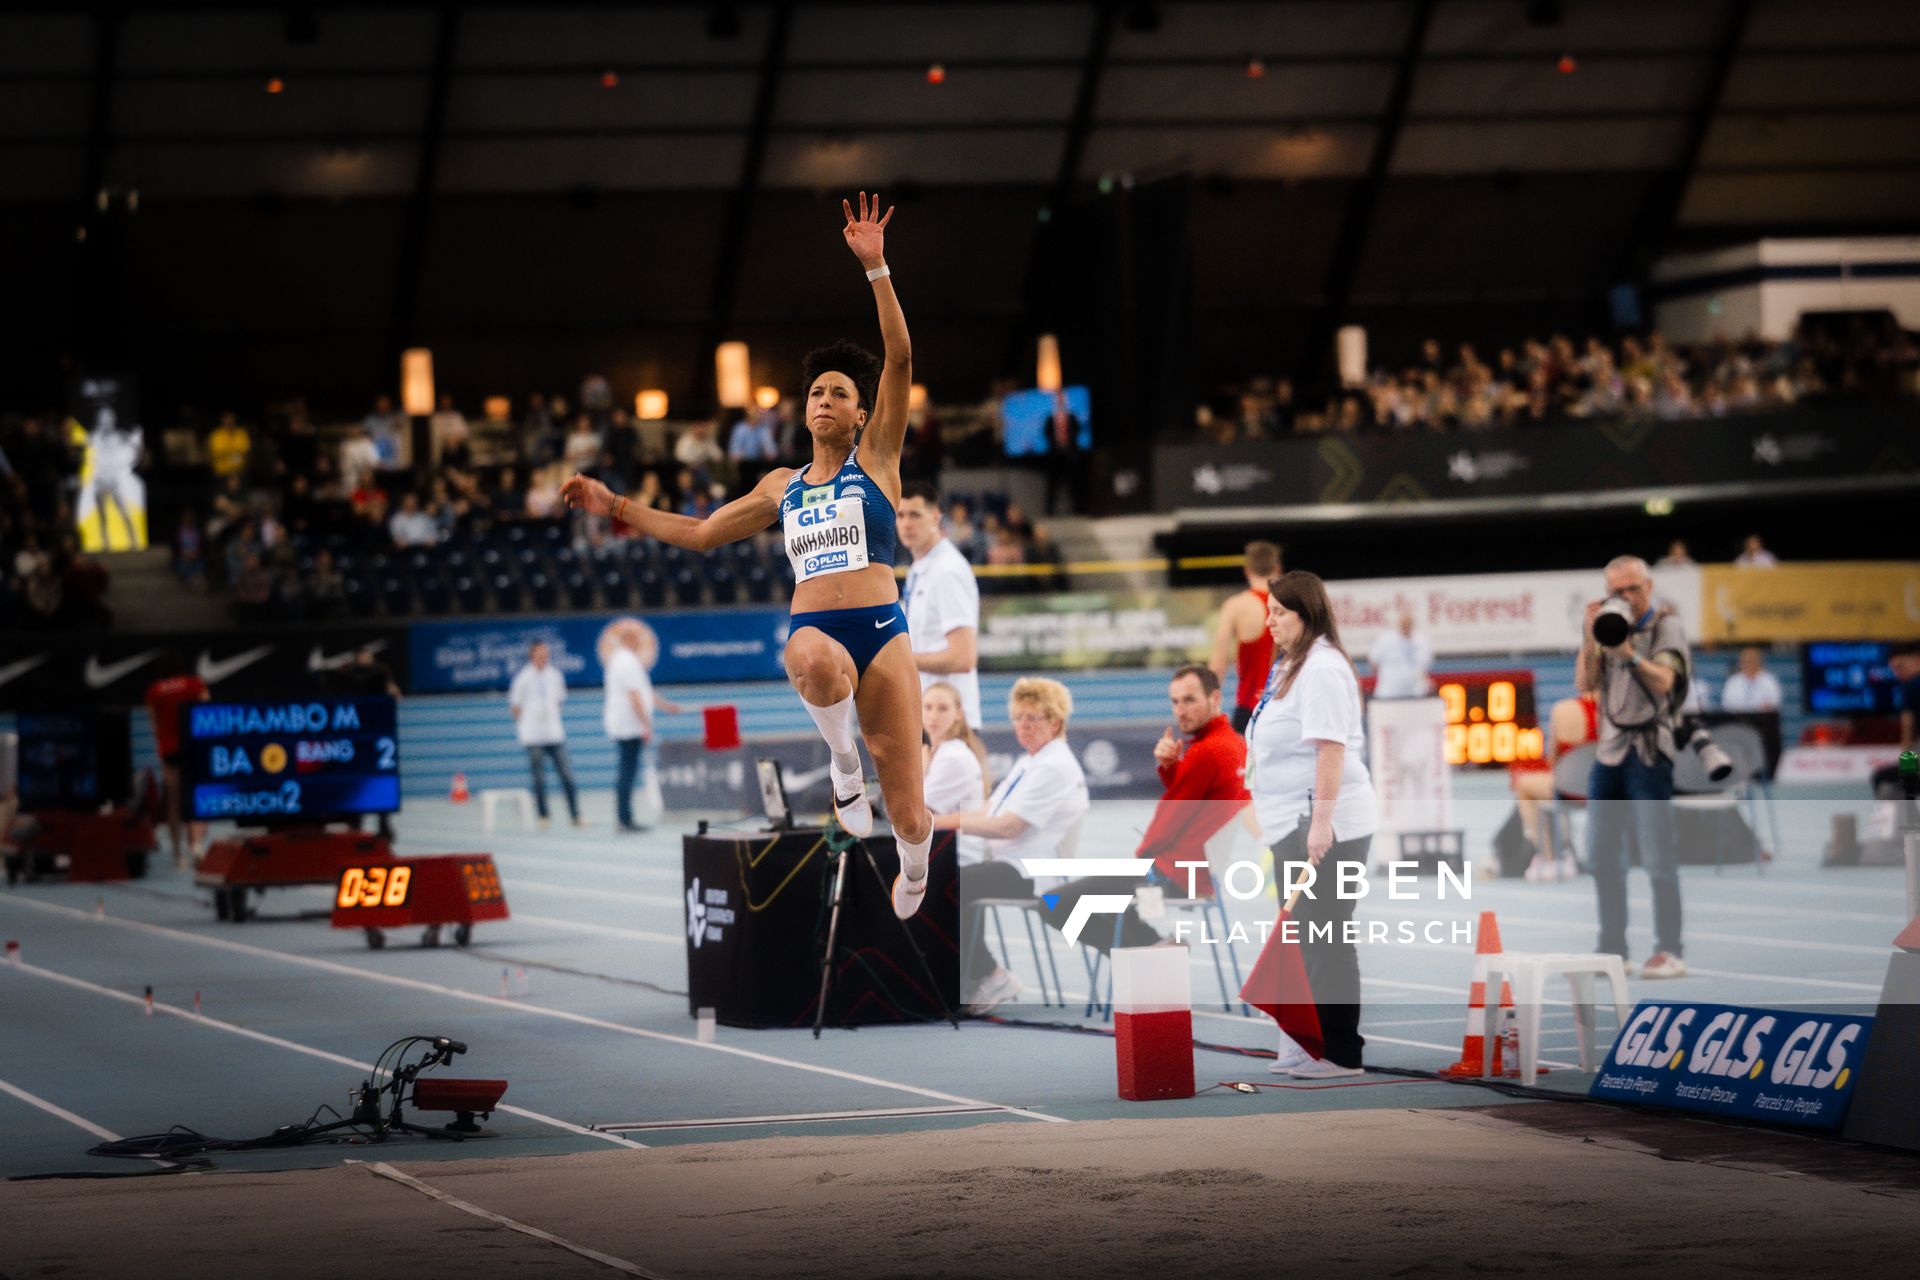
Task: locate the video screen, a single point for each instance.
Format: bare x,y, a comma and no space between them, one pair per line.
1850,679
74,759
304,758
1028,417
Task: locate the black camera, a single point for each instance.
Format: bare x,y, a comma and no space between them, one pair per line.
1693,735
1614,623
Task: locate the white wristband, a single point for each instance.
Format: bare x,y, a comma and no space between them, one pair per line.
879,272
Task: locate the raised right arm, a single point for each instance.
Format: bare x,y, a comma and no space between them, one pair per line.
742,518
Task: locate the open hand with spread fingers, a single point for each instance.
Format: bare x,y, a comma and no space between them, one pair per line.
866,232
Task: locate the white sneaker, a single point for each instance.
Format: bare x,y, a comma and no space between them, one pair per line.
994,990
908,895
1662,964
1321,1069
1289,1056
850,802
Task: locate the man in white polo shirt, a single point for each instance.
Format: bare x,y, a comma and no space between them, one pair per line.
1752,688
536,696
941,598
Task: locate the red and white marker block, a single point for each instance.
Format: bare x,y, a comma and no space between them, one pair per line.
1153,1022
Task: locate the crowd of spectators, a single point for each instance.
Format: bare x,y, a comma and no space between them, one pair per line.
46,579
1553,380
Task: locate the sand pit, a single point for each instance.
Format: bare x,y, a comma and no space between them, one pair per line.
1567,1189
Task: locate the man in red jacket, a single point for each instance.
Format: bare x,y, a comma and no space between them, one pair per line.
1204,773
176,687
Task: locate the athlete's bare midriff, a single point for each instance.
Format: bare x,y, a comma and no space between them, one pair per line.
854,589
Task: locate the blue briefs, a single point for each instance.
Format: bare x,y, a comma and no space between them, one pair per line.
861,632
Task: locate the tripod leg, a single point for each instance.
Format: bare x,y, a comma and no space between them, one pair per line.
906,931
833,939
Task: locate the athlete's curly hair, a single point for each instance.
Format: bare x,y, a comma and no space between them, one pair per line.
845,357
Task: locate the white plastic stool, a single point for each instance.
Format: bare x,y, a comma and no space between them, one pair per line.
490,802
1528,974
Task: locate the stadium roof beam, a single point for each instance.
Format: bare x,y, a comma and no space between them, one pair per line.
1079,128
739,215
106,56
1660,207
1344,262
419,210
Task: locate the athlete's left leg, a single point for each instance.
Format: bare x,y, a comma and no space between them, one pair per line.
888,697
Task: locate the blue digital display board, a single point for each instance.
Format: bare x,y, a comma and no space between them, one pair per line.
1851,678
292,759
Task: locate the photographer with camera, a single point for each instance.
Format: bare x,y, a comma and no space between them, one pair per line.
1633,660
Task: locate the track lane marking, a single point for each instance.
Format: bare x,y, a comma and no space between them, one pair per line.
248,1033
563,1015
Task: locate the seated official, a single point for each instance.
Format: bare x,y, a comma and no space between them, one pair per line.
1573,722
1029,815
955,760
1203,771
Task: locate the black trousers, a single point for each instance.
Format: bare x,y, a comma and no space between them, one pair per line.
987,880
536,758
1332,963
1240,717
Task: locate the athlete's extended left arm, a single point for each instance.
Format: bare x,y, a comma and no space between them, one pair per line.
866,236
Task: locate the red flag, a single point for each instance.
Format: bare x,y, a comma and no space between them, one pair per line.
1278,986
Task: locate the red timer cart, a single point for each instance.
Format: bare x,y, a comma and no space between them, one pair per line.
457,889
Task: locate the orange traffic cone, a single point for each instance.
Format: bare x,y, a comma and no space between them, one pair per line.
1473,1050
459,794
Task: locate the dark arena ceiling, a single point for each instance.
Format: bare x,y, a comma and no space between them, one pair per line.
477,168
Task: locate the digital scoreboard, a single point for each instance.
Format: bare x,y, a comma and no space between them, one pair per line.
294,759
1490,717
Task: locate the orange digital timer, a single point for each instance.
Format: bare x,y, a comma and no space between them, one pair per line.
459,889
1490,717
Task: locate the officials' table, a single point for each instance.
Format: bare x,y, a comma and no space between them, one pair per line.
757,904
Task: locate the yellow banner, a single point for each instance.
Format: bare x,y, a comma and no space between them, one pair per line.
1801,602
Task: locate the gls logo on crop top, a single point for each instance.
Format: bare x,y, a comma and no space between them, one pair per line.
826,534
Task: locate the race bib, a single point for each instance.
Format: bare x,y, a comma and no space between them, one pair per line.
826,537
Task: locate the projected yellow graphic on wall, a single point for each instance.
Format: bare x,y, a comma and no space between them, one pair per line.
110,510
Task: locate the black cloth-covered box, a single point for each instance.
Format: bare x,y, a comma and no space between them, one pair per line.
756,916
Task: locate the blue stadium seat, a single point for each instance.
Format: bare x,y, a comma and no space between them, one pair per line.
615,588
471,594
758,584
578,588
509,595
652,587
686,584
434,596
723,582
361,600
396,595
540,588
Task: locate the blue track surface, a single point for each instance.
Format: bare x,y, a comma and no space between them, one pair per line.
291,1007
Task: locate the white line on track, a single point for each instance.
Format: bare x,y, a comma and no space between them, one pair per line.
392,1174
52,1109
233,1028
563,1015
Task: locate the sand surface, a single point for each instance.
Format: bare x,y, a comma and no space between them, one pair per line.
1561,1189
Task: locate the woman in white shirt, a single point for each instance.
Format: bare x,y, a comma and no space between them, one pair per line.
1314,800
956,769
1029,815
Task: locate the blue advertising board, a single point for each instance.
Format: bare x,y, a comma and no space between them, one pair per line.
1776,1065
696,646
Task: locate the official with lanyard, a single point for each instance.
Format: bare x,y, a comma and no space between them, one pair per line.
1638,686
1315,803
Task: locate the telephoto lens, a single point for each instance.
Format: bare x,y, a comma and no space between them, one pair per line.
1614,622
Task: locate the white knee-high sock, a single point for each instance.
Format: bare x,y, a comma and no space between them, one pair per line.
913,853
836,726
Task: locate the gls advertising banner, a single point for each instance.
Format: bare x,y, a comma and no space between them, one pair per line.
1759,1064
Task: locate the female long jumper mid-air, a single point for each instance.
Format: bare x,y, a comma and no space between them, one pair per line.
847,645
